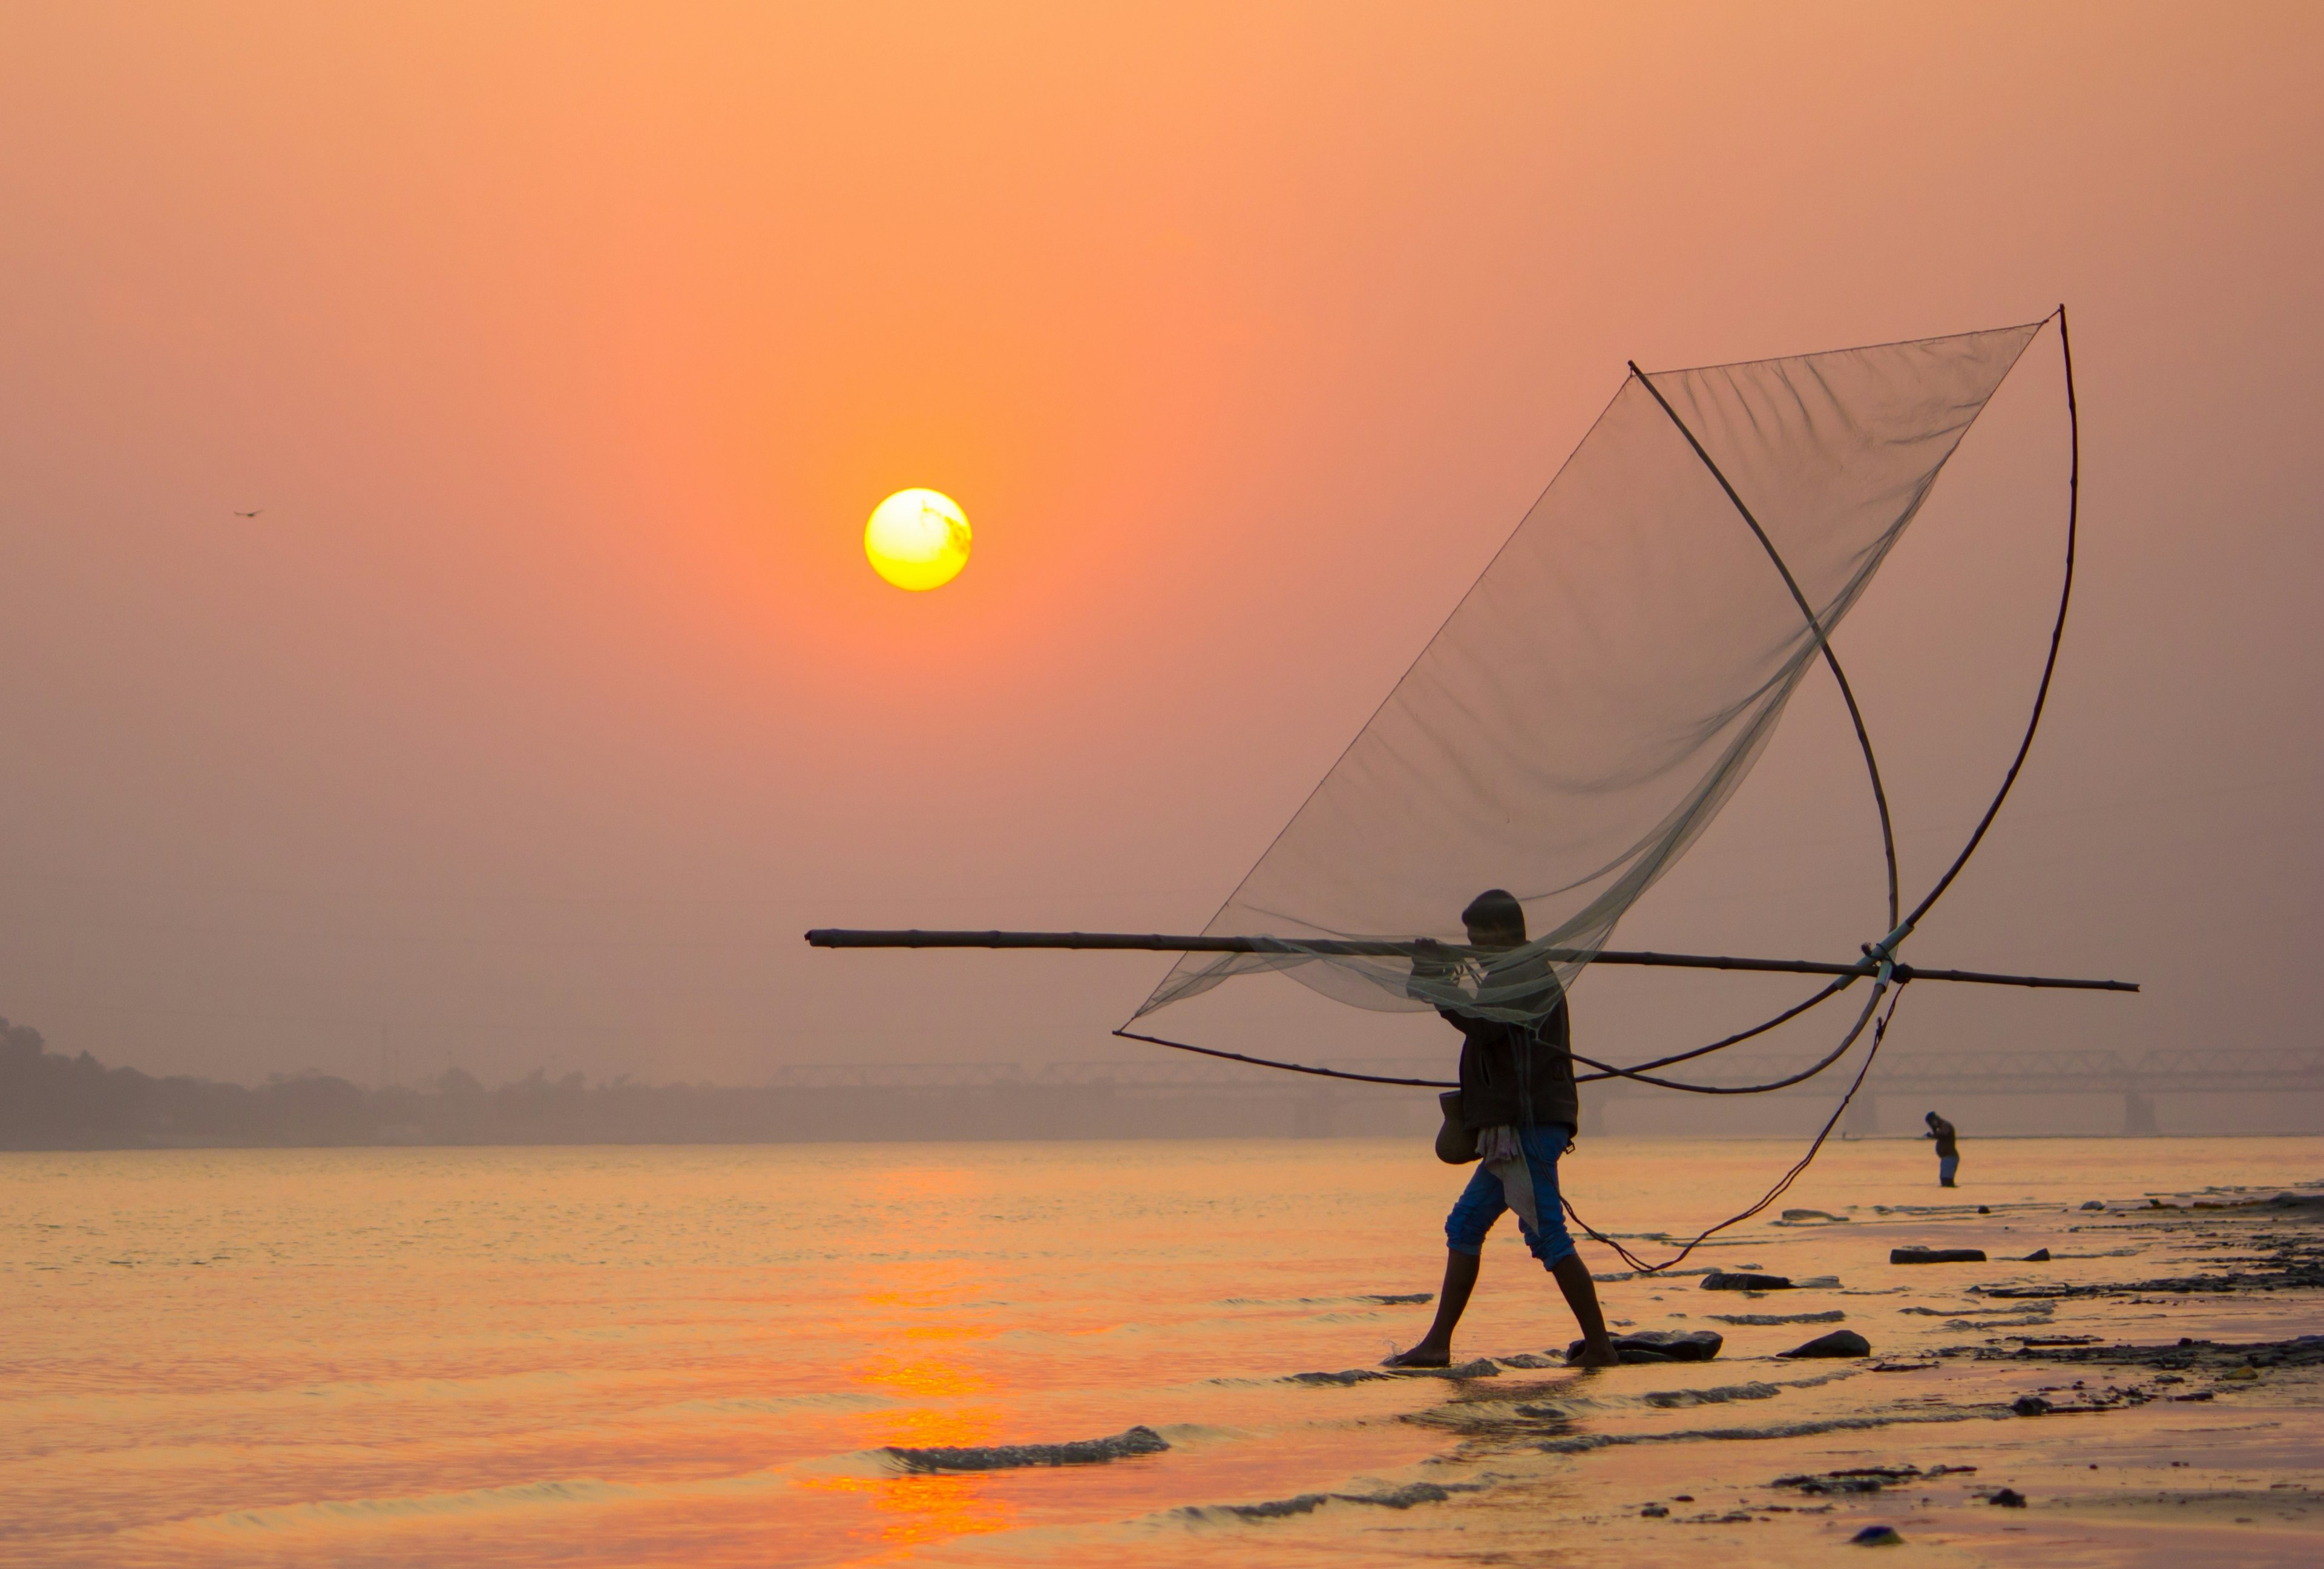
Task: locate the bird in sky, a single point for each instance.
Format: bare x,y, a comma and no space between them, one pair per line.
250,514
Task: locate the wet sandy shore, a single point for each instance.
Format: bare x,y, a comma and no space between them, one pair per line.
2150,1393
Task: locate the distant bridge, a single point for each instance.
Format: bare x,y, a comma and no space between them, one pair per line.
2139,1078
2078,1071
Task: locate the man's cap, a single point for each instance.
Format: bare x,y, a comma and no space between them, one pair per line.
1496,909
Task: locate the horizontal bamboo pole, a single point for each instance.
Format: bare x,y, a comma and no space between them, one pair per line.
1152,941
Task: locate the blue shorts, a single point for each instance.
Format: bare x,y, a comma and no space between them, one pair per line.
1946,1166
1528,1187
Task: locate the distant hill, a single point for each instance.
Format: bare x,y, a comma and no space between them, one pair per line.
53,1102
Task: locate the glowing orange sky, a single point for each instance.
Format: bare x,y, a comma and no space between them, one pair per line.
567,348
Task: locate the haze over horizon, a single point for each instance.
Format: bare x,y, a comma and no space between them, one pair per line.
562,351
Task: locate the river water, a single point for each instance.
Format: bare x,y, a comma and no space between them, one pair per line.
711,1355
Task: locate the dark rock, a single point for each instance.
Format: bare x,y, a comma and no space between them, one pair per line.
1936,1255
1662,1345
1624,1353
1482,1368
1860,1479
1839,1343
1724,1280
2008,1498
1878,1537
2038,1256
1688,1346
1654,1511
2030,1406
1985,1209
2094,1203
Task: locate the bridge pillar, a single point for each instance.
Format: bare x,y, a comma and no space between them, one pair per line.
1863,1119
2138,1112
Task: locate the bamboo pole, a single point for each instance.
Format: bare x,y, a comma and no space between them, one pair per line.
1154,942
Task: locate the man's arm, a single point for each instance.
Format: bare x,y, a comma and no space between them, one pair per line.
1430,962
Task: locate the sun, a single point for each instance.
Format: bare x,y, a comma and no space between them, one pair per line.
918,538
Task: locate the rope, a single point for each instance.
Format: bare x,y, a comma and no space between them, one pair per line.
1831,1057
1786,1017
1879,1033
1289,1067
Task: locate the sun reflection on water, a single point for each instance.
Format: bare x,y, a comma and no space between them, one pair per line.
948,1402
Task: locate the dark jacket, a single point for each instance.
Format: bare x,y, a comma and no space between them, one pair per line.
1517,1074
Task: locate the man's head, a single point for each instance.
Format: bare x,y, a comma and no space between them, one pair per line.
1930,1119
1495,920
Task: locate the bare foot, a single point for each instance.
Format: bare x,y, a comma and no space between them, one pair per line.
1601,1357
1419,1356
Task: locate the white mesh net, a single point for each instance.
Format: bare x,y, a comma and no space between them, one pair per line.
1607,683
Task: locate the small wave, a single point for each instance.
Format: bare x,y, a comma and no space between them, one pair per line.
1587,1441
1676,1399
1408,1496
1482,1368
1830,1315
1135,1441
1364,1299
1184,1435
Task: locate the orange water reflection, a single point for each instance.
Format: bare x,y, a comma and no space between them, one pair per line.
927,1335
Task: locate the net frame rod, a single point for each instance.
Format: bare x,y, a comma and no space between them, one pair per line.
1815,625
1157,942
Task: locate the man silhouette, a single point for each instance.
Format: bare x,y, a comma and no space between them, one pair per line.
1948,1149
1518,1096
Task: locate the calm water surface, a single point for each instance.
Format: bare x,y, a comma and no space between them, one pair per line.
702,1356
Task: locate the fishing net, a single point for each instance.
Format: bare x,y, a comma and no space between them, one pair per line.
1606,685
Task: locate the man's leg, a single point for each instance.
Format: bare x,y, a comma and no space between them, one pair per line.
1582,1296
1946,1166
1532,1194
1434,1349
1480,1204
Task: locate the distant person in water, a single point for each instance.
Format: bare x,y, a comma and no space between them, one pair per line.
1517,1097
1948,1149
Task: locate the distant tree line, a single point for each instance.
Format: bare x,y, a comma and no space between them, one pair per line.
53,1102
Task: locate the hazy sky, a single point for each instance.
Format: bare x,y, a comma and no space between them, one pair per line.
566,348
